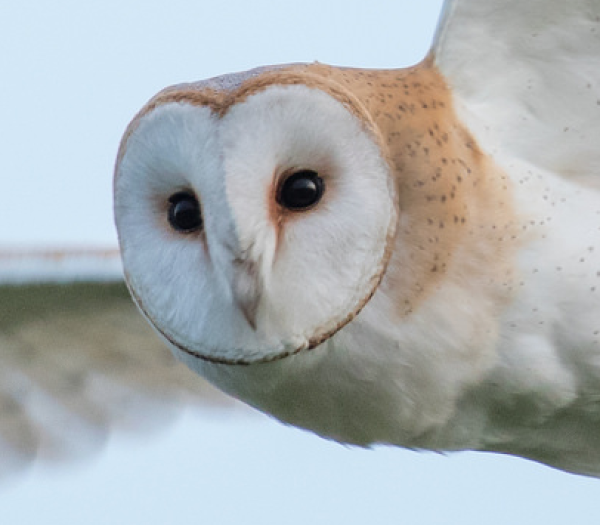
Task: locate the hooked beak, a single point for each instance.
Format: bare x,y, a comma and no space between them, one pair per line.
247,288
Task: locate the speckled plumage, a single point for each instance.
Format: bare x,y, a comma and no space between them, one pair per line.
442,295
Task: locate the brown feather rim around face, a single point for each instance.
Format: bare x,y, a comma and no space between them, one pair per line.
313,342
220,105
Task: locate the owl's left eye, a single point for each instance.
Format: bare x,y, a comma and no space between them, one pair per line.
184,212
301,190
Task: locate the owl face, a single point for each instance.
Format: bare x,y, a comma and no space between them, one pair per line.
255,217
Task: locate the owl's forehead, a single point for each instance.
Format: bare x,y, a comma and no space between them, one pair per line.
221,92
230,82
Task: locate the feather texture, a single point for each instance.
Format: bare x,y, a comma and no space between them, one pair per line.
77,360
481,331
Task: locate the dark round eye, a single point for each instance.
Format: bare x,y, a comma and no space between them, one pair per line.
301,190
184,212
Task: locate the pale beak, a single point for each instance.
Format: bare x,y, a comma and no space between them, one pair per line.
247,288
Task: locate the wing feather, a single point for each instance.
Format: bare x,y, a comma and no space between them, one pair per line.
77,360
526,76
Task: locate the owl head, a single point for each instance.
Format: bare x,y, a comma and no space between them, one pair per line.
255,212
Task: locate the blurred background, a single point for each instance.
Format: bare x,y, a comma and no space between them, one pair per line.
72,75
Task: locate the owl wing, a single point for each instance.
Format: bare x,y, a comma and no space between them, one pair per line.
77,359
526,76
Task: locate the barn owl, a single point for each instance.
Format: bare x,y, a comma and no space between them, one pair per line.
408,257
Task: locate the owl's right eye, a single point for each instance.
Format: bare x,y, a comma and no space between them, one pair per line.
184,212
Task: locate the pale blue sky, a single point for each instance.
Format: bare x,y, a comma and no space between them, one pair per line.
74,73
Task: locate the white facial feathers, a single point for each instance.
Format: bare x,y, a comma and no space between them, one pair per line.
259,281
